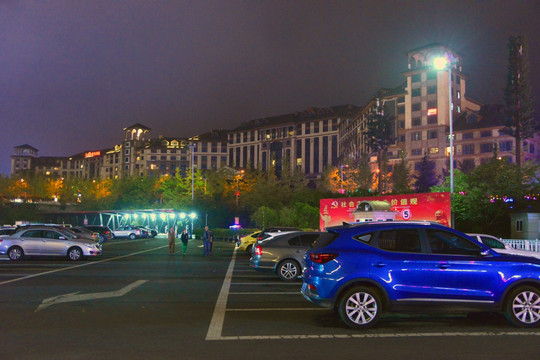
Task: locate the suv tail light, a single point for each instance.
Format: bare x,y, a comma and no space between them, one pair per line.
322,258
258,250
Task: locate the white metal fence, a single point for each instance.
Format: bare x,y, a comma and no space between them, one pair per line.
523,244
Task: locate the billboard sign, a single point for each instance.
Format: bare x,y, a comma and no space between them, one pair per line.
434,207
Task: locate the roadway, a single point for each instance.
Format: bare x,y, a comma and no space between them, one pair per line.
139,302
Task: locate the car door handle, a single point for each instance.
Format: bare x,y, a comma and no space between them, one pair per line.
378,264
443,266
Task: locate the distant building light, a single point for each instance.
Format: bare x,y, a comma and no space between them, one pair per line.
432,112
91,154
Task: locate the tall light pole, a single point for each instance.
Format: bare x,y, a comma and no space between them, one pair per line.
192,149
443,63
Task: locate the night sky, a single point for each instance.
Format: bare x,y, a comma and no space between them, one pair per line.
73,74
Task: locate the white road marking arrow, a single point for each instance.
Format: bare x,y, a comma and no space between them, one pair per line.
72,297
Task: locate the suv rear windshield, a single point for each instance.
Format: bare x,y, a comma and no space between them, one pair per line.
324,240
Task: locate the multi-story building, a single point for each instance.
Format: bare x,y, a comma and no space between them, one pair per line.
136,155
421,113
311,140
306,141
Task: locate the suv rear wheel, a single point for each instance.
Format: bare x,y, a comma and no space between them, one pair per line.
523,307
360,307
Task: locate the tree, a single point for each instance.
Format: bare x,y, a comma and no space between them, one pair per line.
265,217
53,188
363,176
517,95
379,135
426,178
401,175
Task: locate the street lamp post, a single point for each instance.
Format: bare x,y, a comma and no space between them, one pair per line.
442,63
192,149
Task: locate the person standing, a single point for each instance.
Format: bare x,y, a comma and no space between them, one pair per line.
172,237
207,241
184,238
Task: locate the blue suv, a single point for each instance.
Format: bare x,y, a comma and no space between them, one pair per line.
367,269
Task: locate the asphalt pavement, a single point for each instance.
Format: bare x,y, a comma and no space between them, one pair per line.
138,302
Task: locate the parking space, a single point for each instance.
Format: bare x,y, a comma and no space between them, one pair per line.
256,306
249,299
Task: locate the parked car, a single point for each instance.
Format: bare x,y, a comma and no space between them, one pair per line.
131,232
7,230
85,233
501,247
365,270
47,241
144,231
245,243
105,233
150,232
265,231
67,229
283,253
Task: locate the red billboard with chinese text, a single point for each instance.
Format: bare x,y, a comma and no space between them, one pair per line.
433,207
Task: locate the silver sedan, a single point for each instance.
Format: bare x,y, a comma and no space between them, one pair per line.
47,241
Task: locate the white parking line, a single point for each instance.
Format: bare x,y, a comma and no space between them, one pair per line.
390,335
216,324
265,293
281,309
265,283
78,266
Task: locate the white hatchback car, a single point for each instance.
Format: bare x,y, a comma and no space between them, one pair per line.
501,247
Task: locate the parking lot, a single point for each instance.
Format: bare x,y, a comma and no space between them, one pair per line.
139,301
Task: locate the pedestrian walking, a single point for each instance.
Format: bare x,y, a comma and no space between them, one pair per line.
207,241
184,237
172,238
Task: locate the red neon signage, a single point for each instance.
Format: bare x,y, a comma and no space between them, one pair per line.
91,154
431,112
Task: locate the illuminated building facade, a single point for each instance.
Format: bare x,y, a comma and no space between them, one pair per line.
421,108
306,141
309,141
136,155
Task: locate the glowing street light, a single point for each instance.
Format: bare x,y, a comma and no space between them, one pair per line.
192,216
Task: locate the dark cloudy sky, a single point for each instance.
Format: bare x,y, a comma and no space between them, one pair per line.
73,74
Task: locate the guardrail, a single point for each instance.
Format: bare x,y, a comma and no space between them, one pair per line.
523,244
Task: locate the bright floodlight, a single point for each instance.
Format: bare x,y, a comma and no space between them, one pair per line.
440,63
162,216
182,215
126,216
135,216
193,215
172,215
